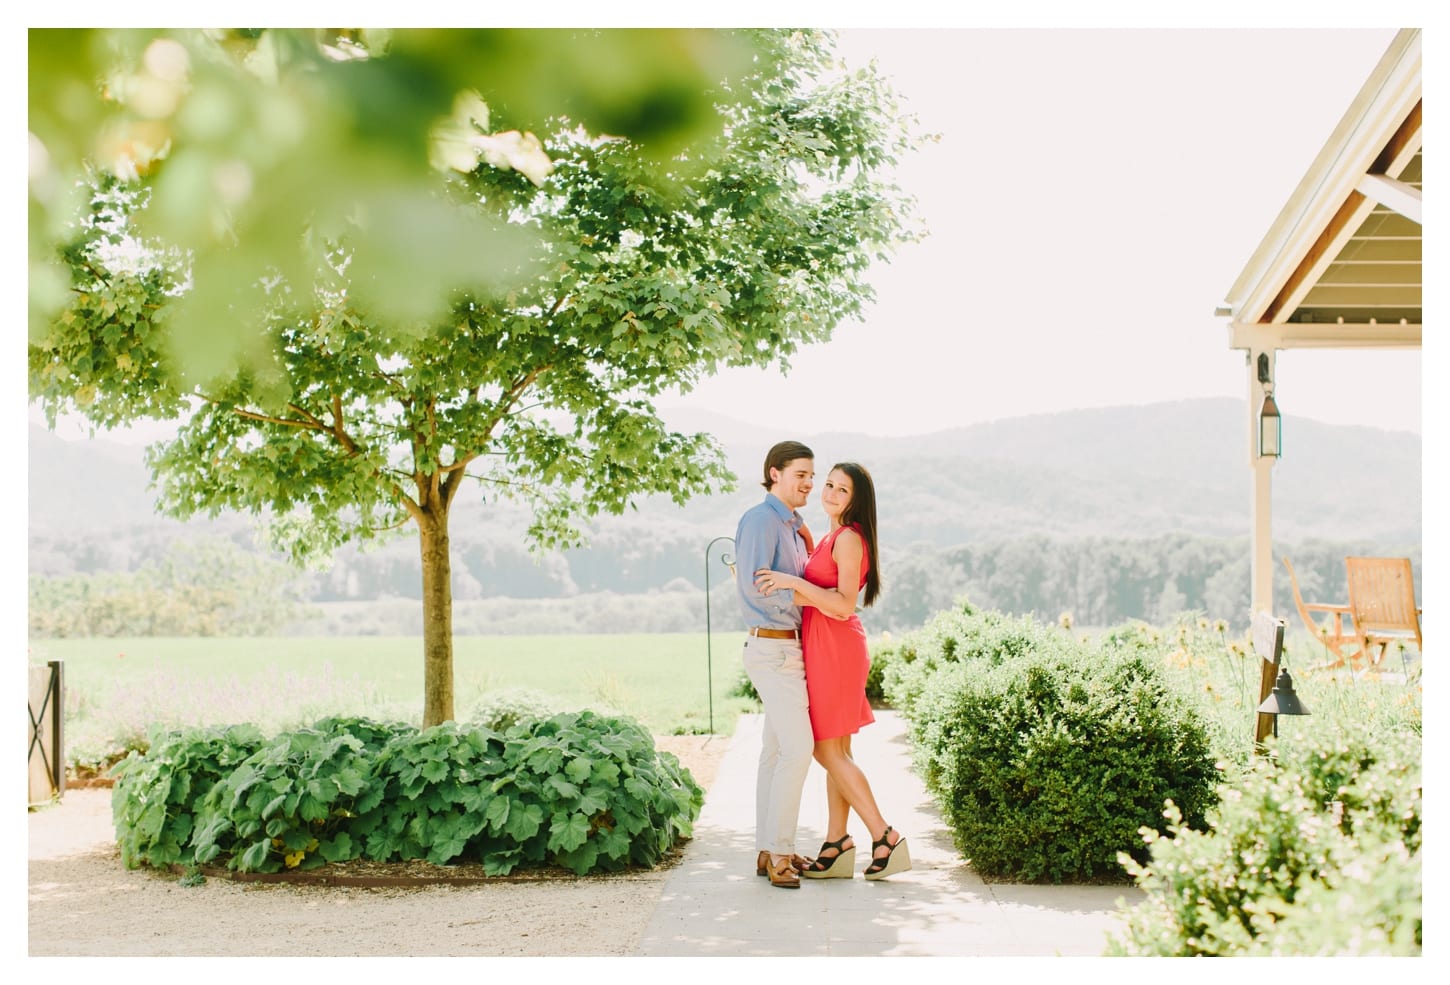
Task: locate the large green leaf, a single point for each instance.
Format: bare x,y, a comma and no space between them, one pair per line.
255,856
567,830
338,848
524,821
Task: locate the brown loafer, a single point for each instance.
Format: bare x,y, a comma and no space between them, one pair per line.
784,875
797,862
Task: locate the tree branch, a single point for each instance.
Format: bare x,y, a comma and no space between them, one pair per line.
309,417
393,526
337,429
312,424
455,473
434,480
414,510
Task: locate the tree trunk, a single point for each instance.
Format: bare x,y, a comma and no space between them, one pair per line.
437,617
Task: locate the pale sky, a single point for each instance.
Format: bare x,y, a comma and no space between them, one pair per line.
1093,197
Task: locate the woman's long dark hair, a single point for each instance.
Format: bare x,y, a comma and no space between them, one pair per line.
862,512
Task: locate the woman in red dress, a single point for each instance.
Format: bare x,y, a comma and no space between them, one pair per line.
833,643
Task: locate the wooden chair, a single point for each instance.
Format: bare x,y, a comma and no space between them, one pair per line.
1338,638
1382,604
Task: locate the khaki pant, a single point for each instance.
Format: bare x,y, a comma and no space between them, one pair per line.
778,673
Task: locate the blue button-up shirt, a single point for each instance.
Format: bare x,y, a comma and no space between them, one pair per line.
767,537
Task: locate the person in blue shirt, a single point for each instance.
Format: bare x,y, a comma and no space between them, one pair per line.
773,535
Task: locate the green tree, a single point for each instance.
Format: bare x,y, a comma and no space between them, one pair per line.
340,419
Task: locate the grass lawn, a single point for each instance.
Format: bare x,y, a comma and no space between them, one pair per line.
116,687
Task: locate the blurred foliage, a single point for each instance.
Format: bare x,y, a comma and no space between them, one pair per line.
257,145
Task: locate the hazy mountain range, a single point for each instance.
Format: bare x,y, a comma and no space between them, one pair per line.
1124,472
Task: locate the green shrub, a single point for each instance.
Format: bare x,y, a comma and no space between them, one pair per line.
581,790
500,710
881,656
959,636
371,732
435,795
288,804
1315,852
156,797
743,687
1045,755
610,799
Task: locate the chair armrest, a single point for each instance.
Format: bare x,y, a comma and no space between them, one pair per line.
1338,611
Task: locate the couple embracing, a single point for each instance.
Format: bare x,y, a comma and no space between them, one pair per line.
807,658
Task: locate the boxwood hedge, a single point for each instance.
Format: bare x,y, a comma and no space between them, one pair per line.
1046,755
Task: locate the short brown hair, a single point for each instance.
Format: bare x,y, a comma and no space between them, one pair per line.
781,454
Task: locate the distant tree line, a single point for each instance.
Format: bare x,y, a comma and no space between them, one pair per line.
206,587
1104,581
218,587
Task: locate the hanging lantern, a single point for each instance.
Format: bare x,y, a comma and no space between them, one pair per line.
1271,430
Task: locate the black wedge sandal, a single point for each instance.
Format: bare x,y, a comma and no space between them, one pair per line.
825,867
898,858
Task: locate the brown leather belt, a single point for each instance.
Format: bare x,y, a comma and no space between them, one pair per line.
775,634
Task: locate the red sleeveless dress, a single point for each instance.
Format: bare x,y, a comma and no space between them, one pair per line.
835,653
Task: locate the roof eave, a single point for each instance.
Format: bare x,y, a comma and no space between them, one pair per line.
1382,104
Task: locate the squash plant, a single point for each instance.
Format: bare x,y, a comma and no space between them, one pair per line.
287,804
156,795
581,790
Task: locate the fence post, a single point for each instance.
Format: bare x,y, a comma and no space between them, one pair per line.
1267,634
47,734
729,561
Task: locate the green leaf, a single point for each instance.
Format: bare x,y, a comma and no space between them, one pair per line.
296,839
338,848
497,813
612,843
579,860
473,799
594,800
311,809
524,821
273,805
151,820
253,858
578,769
567,830
501,863
561,787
